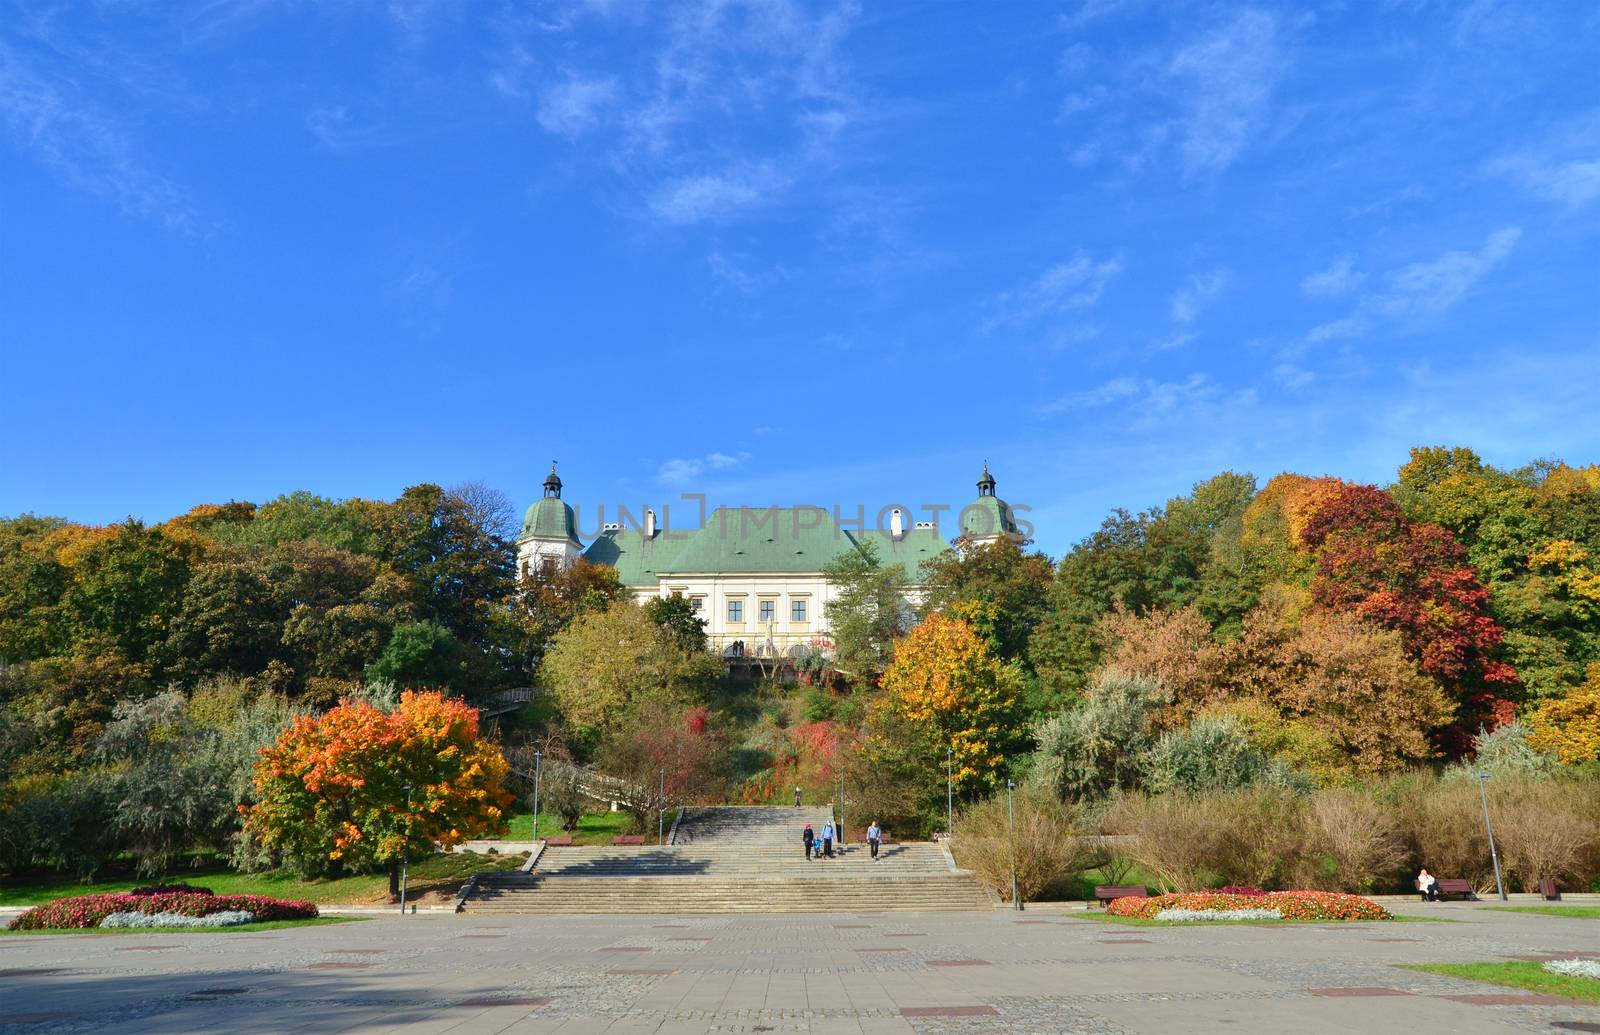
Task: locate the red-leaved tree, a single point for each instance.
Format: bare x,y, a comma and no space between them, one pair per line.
1413,578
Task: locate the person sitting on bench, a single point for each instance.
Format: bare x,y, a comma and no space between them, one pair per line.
1427,886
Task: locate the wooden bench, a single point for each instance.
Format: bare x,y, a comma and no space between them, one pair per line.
1104,893
1456,886
559,841
628,839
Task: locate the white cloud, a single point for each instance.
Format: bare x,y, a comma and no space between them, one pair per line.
1341,278
1226,79
1145,395
685,470
736,270
84,147
1201,290
1291,375
1563,168
1075,284
1421,290
717,196
575,105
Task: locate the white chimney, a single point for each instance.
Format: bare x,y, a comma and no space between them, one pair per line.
897,523
649,523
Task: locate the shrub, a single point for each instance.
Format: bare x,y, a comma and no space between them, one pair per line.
1046,845
1442,823
170,889
1292,905
1351,842
1211,754
1179,915
1100,744
90,910
1247,836
1545,828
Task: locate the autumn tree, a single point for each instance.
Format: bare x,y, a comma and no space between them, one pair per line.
1415,579
952,692
1570,725
607,663
332,793
1014,585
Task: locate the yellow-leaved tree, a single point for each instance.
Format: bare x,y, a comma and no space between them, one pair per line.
950,691
1570,725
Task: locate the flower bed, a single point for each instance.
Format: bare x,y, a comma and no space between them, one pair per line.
226,918
169,889
1581,968
1291,905
90,910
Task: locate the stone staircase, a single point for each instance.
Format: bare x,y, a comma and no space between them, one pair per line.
731,860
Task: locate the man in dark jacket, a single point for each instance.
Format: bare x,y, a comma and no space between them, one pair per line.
809,839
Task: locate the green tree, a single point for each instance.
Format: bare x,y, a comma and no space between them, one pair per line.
868,612
998,574
125,591
682,624
421,655
606,664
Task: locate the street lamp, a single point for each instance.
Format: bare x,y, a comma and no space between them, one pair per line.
405,853
949,791
841,811
1011,826
661,809
537,759
1494,856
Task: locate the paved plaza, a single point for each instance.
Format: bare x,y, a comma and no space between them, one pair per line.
1039,971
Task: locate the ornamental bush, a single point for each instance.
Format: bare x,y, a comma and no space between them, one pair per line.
90,910
1574,968
1292,905
226,918
1190,916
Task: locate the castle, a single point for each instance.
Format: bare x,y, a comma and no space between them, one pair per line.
753,574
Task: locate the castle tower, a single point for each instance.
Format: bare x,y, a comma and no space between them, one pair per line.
549,537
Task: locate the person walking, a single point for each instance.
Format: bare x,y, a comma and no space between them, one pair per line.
827,840
808,838
874,838
797,797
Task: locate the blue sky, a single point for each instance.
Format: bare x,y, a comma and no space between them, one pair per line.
788,252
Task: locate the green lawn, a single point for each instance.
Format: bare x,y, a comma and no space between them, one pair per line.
266,925
1519,974
594,828
1575,912
440,874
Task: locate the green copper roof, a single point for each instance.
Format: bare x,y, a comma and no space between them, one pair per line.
549,518
789,540
987,515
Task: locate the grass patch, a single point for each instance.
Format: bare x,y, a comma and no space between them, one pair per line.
594,828
266,925
1575,912
1518,974
439,875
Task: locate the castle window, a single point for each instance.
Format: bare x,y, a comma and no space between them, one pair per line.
736,610
695,604
769,610
797,610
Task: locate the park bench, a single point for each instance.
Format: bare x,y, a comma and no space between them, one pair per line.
559,841
1104,893
1550,889
883,839
628,839
1456,886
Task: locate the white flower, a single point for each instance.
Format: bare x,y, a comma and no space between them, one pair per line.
1575,968
227,918
1195,915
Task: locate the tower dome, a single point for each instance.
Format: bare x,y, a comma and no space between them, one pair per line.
988,517
549,535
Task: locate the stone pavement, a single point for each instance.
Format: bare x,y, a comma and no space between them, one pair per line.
925,973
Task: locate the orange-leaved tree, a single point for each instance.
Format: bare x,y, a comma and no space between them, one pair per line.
332,792
947,686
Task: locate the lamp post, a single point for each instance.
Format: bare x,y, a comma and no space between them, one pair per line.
405,853
841,811
1011,827
949,791
661,809
1494,855
537,760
